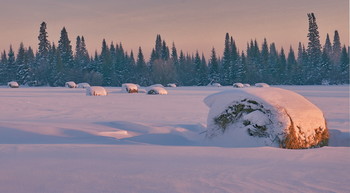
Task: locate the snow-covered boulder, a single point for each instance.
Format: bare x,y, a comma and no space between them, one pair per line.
96,91
83,85
130,88
265,117
215,84
171,85
264,85
13,84
156,90
238,85
70,84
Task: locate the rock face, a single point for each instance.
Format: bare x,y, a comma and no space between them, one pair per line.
265,116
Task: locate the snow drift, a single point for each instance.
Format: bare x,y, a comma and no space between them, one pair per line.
96,91
265,117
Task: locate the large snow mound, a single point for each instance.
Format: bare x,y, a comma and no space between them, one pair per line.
96,91
265,117
130,88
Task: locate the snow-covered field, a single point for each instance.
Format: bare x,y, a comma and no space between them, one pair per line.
60,140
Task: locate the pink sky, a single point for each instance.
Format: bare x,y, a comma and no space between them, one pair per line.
191,24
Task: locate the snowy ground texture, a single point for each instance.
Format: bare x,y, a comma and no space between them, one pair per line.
60,140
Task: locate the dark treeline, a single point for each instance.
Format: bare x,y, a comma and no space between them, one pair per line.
53,65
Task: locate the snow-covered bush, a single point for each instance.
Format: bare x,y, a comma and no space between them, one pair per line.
83,85
264,85
171,85
265,117
96,91
130,88
215,84
70,84
13,84
238,85
156,90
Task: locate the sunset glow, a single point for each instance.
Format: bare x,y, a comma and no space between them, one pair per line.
191,24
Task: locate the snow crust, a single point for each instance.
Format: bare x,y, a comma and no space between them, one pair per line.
156,90
96,91
281,107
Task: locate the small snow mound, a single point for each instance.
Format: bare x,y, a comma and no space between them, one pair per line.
246,85
214,84
171,85
70,84
156,90
130,88
265,117
238,85
13,84
83,85
157,85
263,85
96,91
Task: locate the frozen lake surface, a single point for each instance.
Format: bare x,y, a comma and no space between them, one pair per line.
60,140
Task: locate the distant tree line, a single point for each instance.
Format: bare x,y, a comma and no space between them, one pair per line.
54,65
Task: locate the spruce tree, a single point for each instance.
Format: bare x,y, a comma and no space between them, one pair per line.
11,67
344,66
264,60
282,63
327,48
291,70
314,52
42,58
226,62
214,75
22,65
66,53
336,49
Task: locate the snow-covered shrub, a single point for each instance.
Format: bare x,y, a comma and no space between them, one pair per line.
70,84
214,84
83,85
171,85
96,91
264,85
265,117
156,90
238,85
13,84
130,88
